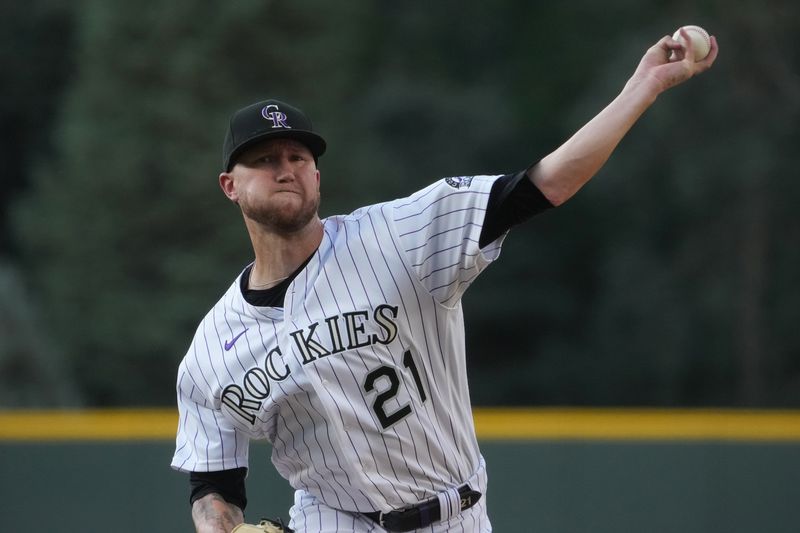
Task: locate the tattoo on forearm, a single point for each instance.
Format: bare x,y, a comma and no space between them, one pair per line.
213,514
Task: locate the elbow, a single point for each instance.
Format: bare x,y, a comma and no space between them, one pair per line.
554,194
555,191
556,198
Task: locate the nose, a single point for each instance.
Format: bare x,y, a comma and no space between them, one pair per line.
285,172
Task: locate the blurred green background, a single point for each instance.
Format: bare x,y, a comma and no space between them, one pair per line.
670,280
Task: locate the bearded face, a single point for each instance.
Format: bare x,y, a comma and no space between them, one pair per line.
276,185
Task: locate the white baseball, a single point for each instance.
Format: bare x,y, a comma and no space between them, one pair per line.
701,42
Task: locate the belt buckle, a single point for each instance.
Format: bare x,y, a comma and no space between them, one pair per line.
389,521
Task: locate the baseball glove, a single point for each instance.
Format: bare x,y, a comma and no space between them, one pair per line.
265,526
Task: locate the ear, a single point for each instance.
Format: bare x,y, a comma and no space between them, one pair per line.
228,186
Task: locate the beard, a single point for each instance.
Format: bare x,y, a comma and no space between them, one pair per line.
282,217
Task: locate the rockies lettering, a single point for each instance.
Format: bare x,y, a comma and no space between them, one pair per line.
245,399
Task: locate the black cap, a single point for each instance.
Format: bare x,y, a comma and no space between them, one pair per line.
269,119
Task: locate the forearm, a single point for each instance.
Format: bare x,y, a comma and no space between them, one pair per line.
665,64
563,172
212,514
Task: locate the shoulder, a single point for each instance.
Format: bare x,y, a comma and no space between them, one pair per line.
446,191
462,196
443,196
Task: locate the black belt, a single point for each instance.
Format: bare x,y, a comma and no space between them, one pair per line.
423,514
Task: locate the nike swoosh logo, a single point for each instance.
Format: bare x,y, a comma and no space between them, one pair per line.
229,344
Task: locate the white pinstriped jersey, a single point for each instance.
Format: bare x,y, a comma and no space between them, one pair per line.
359,382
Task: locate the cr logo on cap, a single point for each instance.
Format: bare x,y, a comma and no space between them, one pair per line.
277,117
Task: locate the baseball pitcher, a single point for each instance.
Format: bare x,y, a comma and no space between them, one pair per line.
342,343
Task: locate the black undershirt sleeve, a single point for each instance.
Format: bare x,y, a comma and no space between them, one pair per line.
227,483
513,200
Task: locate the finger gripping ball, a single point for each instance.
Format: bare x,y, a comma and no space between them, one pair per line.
701,41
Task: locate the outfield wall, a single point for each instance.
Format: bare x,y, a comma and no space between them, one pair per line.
549,470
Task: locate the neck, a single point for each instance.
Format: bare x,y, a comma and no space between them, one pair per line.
279,255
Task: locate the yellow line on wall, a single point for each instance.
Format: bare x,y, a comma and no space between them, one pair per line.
490,424
101,424
637,424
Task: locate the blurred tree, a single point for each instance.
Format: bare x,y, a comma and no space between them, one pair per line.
31,371
36,42
35,52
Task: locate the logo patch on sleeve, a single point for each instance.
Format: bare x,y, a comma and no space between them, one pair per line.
459,182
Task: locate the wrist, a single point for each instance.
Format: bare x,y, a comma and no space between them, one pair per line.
644,90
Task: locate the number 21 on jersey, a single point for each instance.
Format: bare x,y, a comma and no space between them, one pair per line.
385,394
